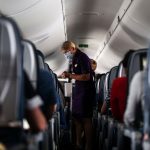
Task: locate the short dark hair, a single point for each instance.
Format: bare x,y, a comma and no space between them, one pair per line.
127,57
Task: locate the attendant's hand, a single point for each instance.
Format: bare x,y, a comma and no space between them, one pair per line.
65,75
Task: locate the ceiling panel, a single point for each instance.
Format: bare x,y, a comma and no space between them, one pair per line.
90,18
40,21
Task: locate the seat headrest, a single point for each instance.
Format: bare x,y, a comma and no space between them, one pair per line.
136,63
112,76
40,59
30,62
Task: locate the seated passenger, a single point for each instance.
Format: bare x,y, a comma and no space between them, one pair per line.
47,91
119,91
94,66
34,115
135,98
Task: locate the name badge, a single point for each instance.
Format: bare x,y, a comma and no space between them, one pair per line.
76,65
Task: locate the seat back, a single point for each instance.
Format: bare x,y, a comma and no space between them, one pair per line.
100,89
136,63
120,72
11,72
106,90
112,76
40,59
30,62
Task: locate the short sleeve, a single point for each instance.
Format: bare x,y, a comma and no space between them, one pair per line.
85,64
33,100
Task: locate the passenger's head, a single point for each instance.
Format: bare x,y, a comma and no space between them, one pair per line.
126,59
93,64
68,46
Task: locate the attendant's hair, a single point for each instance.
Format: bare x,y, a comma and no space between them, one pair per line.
68,44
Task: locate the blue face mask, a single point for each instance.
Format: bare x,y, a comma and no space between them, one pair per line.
69,56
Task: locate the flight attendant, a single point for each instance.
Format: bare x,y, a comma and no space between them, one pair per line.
83,93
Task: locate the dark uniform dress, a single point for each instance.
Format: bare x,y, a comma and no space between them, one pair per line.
84,91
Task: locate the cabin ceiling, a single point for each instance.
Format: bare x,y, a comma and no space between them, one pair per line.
48,23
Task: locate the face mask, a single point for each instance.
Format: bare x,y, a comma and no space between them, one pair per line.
69,56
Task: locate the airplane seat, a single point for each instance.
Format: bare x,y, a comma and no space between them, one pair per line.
55,124
136,64
46,67
104,120
111,77
111,140
100,92
103,133
96,114
97,83
30,65
40,59
11,83
110,128
123,142
106,92
120,71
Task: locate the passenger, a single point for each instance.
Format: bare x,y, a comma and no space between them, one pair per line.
47,91
83,93
34,114
119,91
94,66
135,98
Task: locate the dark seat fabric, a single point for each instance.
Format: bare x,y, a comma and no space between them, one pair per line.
120,71
136,63
112,76
11,72
40,59
100,92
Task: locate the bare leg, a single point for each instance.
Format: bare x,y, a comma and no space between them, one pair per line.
79,129
88,128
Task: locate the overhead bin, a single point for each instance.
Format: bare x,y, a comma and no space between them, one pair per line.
131,32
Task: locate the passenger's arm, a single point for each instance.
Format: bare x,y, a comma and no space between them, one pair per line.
36,119
104,107
133,99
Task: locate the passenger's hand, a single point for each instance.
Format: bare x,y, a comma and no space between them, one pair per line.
146,137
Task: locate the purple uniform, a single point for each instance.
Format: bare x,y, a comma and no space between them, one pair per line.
84,91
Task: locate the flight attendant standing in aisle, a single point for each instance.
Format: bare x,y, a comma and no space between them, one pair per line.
83,93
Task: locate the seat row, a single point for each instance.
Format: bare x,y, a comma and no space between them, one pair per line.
18,59
112,134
